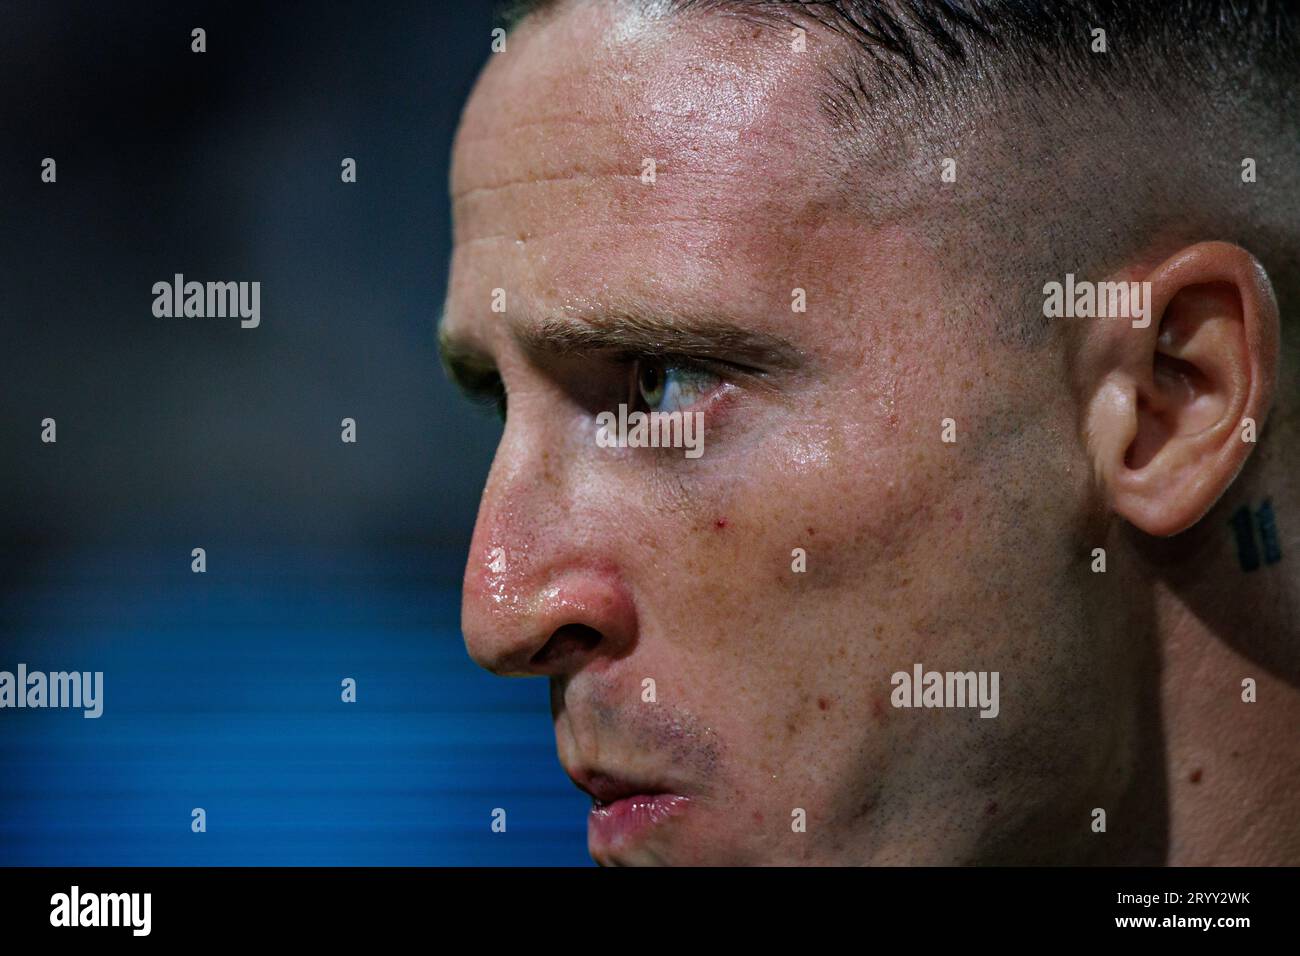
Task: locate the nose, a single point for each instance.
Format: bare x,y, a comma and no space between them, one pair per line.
546,621
543,593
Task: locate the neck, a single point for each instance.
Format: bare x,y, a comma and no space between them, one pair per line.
1227,613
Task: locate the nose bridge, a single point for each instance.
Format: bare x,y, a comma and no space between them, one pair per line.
522,488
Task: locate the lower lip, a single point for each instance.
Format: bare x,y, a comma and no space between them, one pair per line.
614,824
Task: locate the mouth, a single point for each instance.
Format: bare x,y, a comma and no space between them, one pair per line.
624,810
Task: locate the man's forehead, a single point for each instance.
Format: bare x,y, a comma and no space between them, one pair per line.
555,198
634,82
598,117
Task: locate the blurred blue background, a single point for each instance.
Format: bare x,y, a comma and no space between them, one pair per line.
325,560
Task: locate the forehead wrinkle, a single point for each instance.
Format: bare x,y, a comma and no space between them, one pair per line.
755,191
538,153
568,175
519,185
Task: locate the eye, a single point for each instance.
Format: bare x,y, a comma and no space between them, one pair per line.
668,385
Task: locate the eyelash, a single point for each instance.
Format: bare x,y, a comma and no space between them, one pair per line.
490,390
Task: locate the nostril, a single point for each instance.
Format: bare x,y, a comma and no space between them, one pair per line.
567,641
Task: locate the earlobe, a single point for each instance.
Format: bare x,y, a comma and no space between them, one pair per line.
1175,406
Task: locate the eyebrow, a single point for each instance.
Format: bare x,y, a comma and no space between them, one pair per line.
653,332
628,331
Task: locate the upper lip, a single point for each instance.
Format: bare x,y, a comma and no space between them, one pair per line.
606,787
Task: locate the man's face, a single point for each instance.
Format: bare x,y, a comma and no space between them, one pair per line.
605,569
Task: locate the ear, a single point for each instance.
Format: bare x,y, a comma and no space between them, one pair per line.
1168,405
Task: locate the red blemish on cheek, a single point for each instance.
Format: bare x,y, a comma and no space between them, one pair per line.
822,703
720,523
957,515
811,532
1196,775
992,808
878,710
758,817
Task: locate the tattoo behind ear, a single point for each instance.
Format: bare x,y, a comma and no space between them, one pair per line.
1243,525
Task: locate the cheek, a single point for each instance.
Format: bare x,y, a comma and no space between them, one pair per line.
821,520
810,559
796,573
